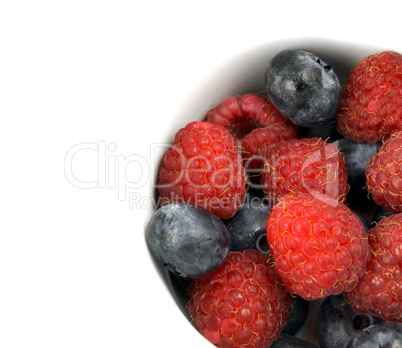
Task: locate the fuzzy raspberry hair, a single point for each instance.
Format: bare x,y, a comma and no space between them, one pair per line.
379,292
254,121
242,304
384,175
308,165
319,246
372,99
203,167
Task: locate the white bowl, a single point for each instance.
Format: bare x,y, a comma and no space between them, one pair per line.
240,74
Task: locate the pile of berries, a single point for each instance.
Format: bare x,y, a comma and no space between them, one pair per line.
258,215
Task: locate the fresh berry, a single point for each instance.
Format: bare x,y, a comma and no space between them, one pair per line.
242,304
319,246
363,219
379,213
372,99
297,315
242,114
384,175
337,322
262,245
383,335
187,239
308,165
327,132
303,88
255,123
289,341
203,167
248,224
379,291
357,157
179,286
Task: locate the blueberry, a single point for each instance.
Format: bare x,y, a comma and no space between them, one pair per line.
179,287
327,132
297,315
380,213
384,335
261,244
255,194
247,227
188,240
363,219
303,88
289,341
357,157
337,322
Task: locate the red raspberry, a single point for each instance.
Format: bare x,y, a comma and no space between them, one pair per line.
254,122
308,165
319,246
379,292
384,175
203,167
372,99
242,304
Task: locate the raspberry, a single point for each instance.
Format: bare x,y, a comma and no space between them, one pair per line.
319,246
242,304
372,99
384,175
379,292
255,123
308,165
203,167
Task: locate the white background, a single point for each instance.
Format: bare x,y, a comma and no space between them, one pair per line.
74,268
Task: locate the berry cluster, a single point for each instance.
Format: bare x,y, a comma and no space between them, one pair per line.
259,215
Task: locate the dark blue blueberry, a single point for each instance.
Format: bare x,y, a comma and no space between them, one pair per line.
179,287
289,341
303,88
327,132
247,227
380,213
337,322
363,219
357,157
255,194
187,239
261,244
297,315
384,335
